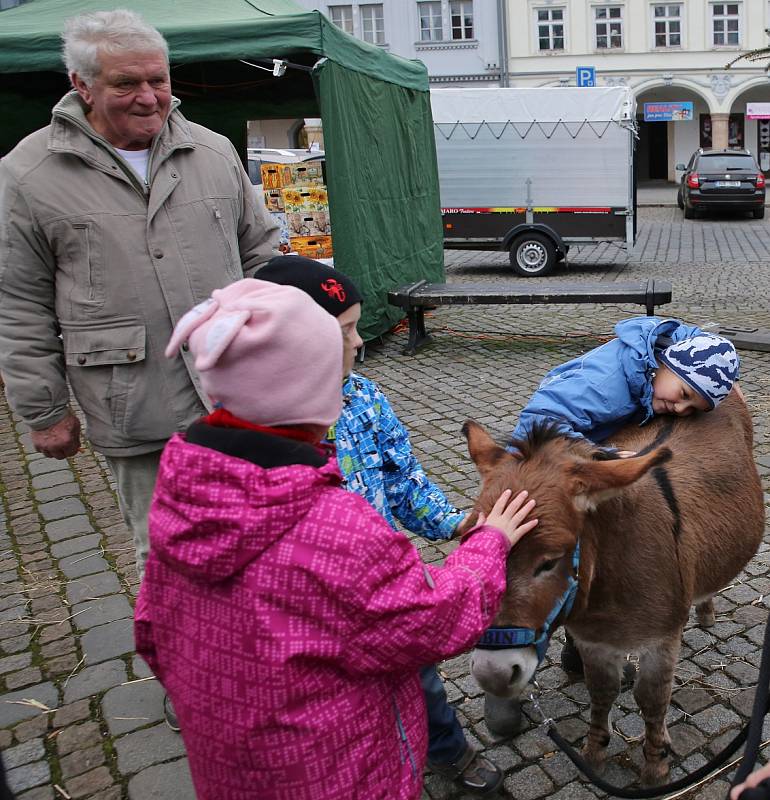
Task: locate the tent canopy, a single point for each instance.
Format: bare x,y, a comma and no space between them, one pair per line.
375,107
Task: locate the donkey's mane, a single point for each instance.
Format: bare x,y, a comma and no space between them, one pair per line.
538,435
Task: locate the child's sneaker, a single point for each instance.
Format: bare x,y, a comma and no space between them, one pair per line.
170,714
471,771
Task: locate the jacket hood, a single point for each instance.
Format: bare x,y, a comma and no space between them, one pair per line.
642,335
213,513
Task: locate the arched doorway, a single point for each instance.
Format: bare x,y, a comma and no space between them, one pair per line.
756,132
662,145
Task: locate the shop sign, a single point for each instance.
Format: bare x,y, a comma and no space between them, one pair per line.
668,112
757,110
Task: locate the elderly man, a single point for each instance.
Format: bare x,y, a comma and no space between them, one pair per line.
116,219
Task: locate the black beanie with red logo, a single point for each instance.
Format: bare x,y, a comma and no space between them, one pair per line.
332,290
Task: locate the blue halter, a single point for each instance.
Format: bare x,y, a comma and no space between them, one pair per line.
498,638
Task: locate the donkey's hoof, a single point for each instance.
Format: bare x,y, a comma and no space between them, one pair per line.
706,619
704,613
655,773
596,757
502,715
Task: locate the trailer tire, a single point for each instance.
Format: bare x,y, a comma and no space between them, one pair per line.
533,255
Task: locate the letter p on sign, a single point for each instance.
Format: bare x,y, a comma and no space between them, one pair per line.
585,76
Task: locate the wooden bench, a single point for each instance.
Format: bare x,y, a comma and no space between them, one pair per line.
414,298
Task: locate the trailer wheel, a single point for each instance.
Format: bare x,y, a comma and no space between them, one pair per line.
533,254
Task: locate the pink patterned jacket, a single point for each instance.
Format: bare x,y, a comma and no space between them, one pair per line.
287,621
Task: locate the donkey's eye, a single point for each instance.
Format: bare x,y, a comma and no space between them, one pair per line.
546,566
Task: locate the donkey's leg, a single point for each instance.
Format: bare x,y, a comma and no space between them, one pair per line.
602,672
653,694
705,613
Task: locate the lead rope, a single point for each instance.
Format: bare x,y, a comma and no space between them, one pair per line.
751,733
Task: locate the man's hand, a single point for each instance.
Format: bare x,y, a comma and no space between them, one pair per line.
61,440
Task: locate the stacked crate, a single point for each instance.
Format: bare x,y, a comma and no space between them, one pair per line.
295,196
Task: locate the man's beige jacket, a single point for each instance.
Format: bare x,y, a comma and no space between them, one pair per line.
97,266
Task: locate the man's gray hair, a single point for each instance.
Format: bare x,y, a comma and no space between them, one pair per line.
87,35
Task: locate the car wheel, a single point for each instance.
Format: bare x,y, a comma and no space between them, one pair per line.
679,199
532,255
689,212
759,213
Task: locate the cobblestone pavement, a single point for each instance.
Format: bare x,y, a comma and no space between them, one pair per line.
80,717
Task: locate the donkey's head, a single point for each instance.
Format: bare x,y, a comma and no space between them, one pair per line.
568,478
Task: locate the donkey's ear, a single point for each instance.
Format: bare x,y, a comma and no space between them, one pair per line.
593,482
485,452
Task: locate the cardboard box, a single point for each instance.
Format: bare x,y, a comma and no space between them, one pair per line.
304,199
307,173
312,246
283,226
309,223
276,176
274,200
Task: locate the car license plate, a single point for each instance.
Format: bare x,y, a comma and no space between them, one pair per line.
727,184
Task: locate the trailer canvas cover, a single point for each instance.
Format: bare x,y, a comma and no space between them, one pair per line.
553,149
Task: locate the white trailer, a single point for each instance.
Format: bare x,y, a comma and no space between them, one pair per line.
535,170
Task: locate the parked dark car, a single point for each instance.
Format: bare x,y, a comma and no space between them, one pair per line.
721,179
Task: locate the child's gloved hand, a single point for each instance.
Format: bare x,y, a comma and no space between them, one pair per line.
510,516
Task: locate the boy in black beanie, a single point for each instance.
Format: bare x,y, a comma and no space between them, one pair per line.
376,460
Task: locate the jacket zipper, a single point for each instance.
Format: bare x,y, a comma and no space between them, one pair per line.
402,736
142,188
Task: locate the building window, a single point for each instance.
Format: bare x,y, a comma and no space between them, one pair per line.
667,18
725,20
609,27
430,21
461,16
550,28
342,17
373,23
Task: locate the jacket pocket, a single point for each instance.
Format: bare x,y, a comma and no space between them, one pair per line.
207,238
405,749
93,347
105,365
84,264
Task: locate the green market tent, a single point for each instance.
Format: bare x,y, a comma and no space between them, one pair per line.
375,107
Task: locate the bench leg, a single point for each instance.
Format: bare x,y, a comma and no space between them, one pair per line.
417,335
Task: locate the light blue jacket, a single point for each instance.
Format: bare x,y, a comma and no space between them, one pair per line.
596,394
376,459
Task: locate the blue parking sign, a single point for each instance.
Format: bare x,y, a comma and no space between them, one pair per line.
585,76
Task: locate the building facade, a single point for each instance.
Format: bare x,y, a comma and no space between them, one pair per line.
671,54
461,42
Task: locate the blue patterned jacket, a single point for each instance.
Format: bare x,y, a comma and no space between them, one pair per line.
375,457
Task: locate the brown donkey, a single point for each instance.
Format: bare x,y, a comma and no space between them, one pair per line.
657,532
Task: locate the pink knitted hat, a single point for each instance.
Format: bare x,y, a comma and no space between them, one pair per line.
267,353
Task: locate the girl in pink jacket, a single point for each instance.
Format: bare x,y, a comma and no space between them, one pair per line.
284,617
